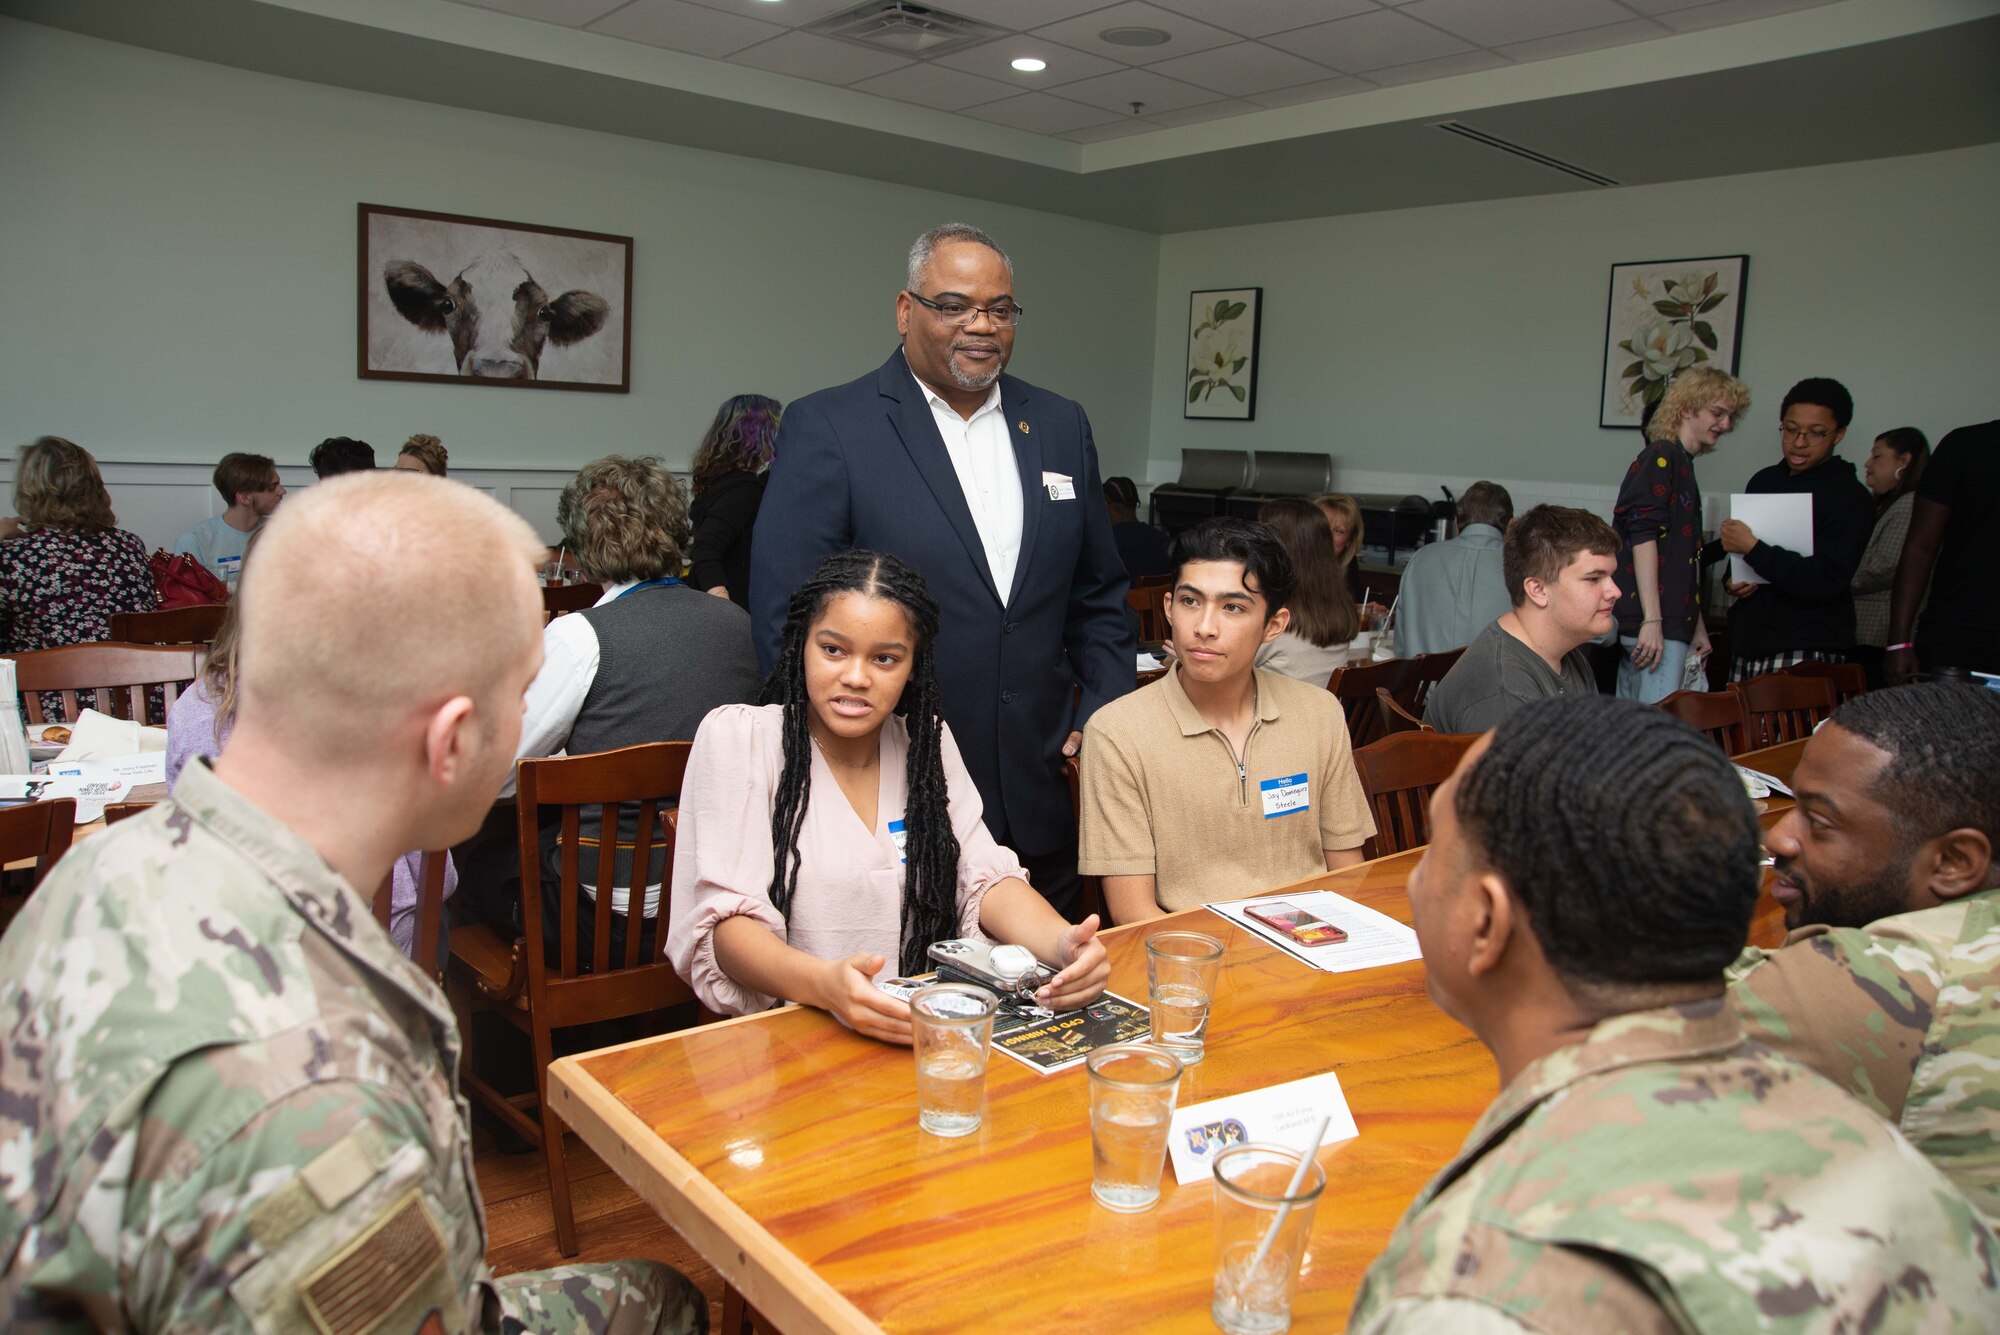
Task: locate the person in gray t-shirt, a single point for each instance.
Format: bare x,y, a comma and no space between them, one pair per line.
251,490
1559,565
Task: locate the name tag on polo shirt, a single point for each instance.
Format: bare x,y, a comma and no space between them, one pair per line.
1059,486
1283,797
902,839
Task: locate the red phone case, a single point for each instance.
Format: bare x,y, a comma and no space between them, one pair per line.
1312,932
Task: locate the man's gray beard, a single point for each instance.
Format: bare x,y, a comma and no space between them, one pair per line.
966,380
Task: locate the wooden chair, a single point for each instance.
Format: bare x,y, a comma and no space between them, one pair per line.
176,625
1395,718
1779,707
1399,773
117,811
1717,715
119,673
1430,671
38,830
1147,599
560,598
515,979
1355,686
430,910
1848,678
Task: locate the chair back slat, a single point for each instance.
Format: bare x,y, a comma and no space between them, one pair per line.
175,625
642,861
1355,687
1395,718
1399,773
1148,603
1429,672
1849,680
38,830
607,882
119,673
1779,707
1717,715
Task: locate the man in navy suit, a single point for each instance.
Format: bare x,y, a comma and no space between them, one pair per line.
989,488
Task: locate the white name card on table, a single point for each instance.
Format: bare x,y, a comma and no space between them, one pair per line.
106,781
1782,521
1373,939
1286,1114
90,791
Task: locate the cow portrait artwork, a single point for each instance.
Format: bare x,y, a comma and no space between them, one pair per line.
474,301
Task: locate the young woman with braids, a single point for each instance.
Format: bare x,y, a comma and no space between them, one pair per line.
833,834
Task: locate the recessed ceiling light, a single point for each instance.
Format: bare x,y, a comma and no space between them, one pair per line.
1135,36
1030,65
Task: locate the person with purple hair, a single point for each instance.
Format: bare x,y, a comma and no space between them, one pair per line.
728,478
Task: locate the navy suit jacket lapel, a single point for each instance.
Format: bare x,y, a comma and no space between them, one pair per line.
910,417
1017,403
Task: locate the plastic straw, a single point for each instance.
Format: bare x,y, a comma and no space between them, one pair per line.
1285,1207
1366,589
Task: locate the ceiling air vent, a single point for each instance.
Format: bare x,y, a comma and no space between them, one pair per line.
904,28
1492,141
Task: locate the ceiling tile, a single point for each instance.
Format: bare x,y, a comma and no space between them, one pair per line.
1732,11
1465,62
936,86
810,56
1185,34
995,61
1484,23
1321,91
1246,67
1590,39
685,27
1663,6
1042,113
1092,134
1255,18
1372,42
1117,92
569,13
1019,15
790,14
1207,111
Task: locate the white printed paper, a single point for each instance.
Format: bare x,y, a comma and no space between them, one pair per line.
1781,521
1150,663
1373,939
1286,1114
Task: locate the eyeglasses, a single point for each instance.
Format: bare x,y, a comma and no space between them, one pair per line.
959,314
1819,435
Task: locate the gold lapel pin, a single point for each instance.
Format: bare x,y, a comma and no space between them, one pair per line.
1023,424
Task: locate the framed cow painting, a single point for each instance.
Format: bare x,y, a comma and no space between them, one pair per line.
477,301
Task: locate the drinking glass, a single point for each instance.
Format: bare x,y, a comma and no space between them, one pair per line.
1132,1091
1180,979
953,1025
1261,1228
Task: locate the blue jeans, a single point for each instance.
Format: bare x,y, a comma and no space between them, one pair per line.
1651,685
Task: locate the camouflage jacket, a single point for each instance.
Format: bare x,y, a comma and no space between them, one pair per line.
226,1098
1666,1174
1905,1015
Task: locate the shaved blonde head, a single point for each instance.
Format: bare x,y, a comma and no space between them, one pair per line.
377,595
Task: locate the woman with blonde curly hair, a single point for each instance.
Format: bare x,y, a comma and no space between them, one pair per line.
645,664
1658,514
71,566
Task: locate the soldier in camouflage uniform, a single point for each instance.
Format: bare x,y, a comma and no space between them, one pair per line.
1592,871
227,1101
1892,989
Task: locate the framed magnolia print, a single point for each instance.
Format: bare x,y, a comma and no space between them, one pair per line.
1222,353
477,301
1663,317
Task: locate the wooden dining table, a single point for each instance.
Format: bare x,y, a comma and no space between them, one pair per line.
785,1149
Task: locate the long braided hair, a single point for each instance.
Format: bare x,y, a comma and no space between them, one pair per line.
930,880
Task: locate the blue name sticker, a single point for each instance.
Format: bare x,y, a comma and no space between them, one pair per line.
1283,797
902,838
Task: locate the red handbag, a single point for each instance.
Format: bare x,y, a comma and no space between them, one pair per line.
183,581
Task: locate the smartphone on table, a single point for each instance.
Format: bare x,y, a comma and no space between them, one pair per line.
1305,928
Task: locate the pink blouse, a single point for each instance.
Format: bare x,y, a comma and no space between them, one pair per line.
849,899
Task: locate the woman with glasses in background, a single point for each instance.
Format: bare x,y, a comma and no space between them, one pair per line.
1805,609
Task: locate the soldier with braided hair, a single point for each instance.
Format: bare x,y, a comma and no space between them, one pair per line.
833,832
1647,1166
1890,986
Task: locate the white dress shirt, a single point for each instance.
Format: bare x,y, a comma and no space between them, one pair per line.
570,655
983,457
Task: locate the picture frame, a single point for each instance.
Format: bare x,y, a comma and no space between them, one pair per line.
432,283
1661,317
1223,328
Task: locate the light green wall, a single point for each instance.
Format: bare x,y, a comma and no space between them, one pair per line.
1466,340
178,252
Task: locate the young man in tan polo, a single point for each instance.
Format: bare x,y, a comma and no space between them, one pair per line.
1219,780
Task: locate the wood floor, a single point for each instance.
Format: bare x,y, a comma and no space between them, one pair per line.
612,1223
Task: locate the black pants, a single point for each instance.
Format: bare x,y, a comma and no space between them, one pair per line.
1054,875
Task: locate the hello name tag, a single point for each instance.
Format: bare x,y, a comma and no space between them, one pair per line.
901,836
1283,797
1059,486
1286,1114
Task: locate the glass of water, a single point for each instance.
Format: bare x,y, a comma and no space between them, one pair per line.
953,1025
1180,978
1261,1227
1132,1091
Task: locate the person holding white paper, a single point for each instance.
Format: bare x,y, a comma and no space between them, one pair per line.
1805,610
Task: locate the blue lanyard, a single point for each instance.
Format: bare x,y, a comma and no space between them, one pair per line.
647,584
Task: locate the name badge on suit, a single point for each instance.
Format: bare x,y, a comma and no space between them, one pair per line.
1059,486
